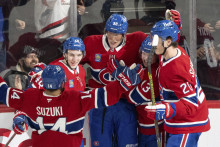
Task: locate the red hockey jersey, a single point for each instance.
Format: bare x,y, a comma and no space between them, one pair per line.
75,80
98,54
140,96
179,84
58,120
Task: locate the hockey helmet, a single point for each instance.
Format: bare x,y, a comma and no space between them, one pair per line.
53,77
164,29
146,45
117,24
73,43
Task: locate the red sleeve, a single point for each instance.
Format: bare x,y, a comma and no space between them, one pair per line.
101,97
10,96
183,86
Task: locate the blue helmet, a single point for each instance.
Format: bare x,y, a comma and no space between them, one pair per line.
73,43
117,24
164,29
146,45
53,77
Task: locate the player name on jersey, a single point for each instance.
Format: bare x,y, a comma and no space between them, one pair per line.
49,111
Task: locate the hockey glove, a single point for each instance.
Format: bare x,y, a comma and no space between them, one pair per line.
174,15
161,111
20,122
115,67
35,75
131,76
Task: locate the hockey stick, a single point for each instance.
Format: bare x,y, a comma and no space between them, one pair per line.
154,46
12,137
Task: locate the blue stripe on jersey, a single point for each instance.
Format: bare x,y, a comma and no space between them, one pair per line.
95,74
71,127
168,94
186,124
75,126
136,97
33,124
192,98
101,98
3,93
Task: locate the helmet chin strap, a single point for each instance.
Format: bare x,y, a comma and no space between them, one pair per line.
165,48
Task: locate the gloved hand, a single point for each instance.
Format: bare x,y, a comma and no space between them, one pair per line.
35,75
20,122
128,77
115,67
174,15
161,111
135,73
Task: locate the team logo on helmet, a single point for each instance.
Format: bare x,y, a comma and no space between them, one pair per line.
74,43
146,45
117,24
164,29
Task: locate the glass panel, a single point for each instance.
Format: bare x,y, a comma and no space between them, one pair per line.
42,25
208,47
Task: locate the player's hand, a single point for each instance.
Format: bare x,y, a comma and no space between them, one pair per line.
17,83
161,111
35,75
174,15
37,70
20,122
115,67
131,76
200,52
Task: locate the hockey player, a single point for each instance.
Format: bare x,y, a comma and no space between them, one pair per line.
73,53
141,96
183,107
99,48
56,117
119,121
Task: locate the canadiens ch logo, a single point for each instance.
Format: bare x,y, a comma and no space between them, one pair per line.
96,143
98,57
71,83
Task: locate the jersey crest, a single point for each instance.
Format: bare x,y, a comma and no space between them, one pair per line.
71,83
98,57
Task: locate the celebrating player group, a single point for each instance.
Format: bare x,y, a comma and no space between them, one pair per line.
120,97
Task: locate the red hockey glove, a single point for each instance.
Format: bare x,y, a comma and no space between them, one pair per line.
20,122
35,75
161,111
174,15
